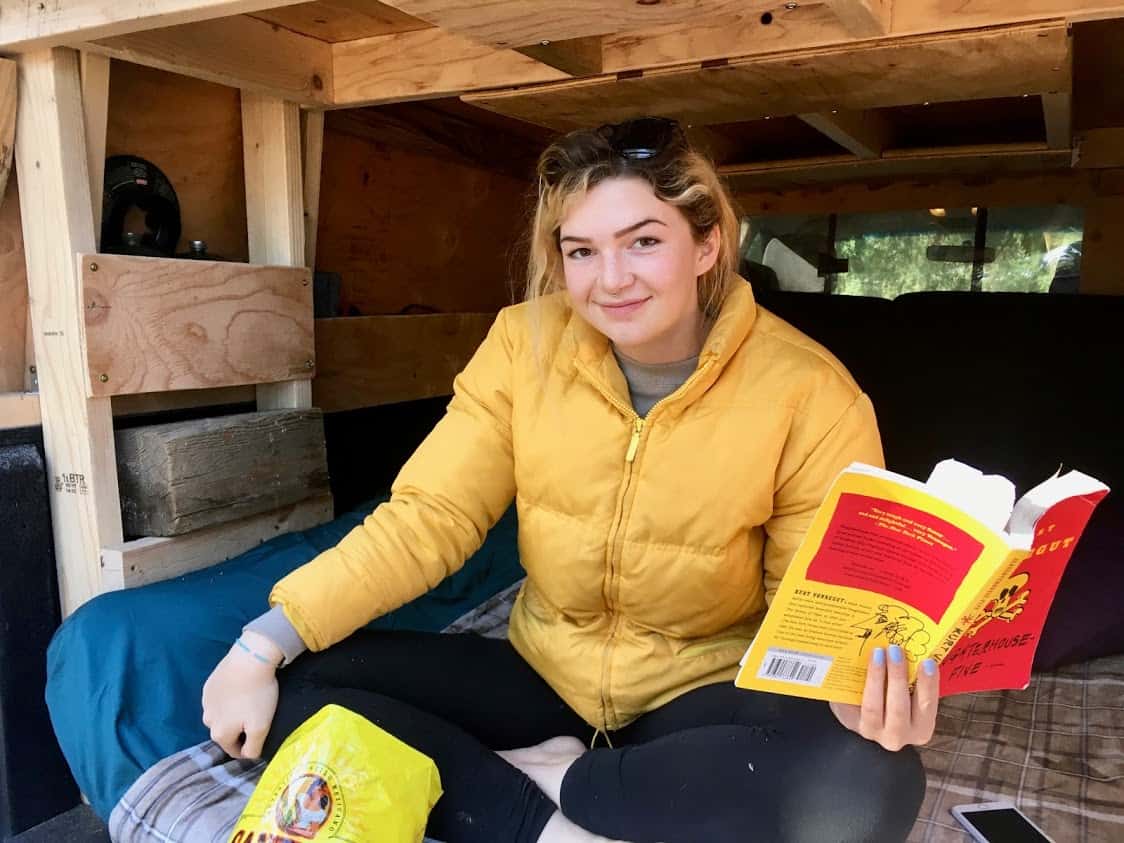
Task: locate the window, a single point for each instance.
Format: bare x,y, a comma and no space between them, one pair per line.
888,254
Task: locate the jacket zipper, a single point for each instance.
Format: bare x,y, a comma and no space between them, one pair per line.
638,424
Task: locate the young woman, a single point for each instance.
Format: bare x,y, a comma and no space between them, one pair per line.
666,442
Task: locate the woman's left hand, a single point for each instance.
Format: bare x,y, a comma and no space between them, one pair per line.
889,714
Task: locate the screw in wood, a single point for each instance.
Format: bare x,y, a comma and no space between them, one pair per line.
791,6
103,377
32,369
308,364
545,43
93,267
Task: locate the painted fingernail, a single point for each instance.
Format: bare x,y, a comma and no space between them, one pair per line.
895,654
879,656
930,667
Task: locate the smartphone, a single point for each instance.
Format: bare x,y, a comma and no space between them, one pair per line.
998,822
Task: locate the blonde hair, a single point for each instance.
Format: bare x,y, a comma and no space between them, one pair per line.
680,176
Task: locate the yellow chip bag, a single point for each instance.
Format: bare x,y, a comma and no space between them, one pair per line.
339,777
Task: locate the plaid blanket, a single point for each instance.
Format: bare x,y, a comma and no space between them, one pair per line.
1056,750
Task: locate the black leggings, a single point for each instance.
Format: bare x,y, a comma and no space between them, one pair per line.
716,765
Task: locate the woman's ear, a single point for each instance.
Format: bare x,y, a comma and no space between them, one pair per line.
706,254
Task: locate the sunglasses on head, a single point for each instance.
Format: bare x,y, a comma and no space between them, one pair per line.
644,138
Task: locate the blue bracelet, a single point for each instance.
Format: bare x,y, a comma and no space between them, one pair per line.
256,654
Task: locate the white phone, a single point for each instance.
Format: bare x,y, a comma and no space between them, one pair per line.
998,822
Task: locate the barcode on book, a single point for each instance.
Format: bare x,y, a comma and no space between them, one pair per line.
793,666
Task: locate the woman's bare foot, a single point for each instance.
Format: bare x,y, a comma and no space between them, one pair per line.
546,764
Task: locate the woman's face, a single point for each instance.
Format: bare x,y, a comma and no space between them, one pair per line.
632,265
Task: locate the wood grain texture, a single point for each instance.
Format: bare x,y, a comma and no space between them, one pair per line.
408,225
517,23
184,476
155,324
192,130
240,52
95,106
991,63
9,96
926,15
33,25
312,150
143,561
57,224
19,409
371,360
862,18
342,20
425,64
13,294
577,56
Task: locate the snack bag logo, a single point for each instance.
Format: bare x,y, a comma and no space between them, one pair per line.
304,806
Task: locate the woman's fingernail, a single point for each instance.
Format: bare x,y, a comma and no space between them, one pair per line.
879,656
895,654
930,667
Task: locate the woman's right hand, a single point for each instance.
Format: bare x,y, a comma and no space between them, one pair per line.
240,697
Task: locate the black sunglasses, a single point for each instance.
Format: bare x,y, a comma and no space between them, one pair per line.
644,138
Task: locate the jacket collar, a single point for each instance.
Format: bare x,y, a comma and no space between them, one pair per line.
593,356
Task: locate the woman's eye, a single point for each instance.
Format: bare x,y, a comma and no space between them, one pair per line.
645,242
580,252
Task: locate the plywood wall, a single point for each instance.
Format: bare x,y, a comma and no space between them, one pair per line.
13,293
406,226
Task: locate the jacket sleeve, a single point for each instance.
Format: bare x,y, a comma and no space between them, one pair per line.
448,495
811,461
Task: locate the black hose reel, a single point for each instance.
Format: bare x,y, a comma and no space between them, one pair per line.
132,182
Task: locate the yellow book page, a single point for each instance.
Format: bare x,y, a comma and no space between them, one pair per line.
881,564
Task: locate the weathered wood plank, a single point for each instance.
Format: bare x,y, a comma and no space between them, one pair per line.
32,25
58,224
370,360
142,561
240,52
184,476
425,64
155,324
1028,59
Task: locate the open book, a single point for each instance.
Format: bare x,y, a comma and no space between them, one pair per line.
950,569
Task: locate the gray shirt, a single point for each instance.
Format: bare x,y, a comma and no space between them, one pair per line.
647,384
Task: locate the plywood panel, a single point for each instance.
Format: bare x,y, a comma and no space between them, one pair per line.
516,23
1030,59
371,360
926,15
13,294
192,130
342,20
154,324
406,228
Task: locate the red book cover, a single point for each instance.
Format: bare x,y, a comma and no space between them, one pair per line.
997,647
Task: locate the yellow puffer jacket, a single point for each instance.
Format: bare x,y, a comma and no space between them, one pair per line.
652,546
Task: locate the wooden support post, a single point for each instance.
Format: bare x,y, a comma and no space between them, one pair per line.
58,224
271,145
312,137
95,105
1057,110
864,133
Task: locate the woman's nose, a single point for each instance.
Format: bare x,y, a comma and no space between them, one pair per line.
615,274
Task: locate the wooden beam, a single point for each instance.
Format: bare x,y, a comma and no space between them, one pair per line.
95,106
14,328
33,25
1057,111
371,360
142,561
58,223
183,476
157,324
9,97
863,133
518,23
724,37
19,409
342,20
577,56
969,160
240,52
312,149
184,399
911,16
862,18
1027,59
1100,148
271,147
426,64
